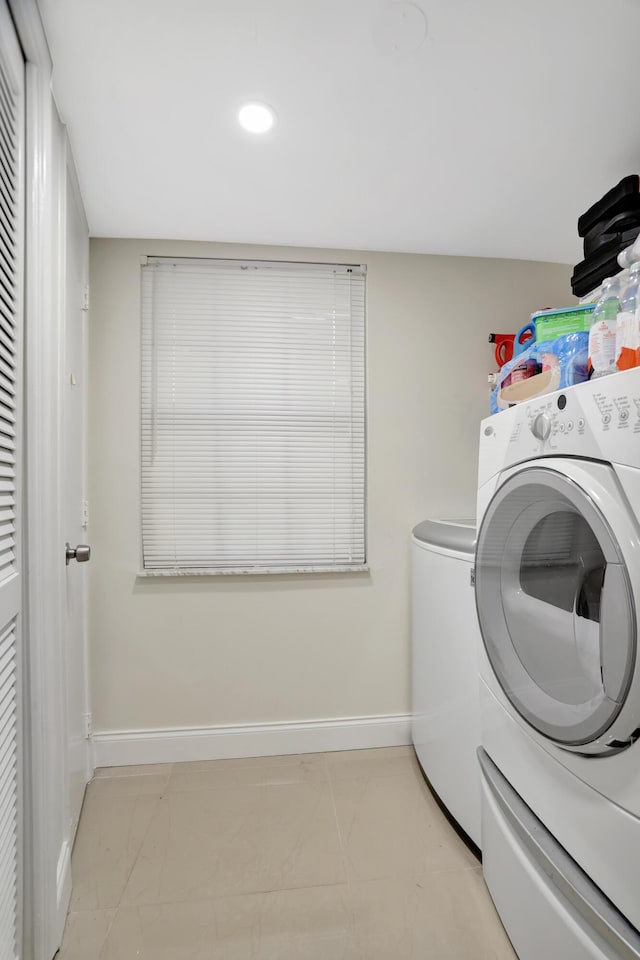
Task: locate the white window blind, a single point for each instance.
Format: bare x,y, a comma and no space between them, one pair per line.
253,416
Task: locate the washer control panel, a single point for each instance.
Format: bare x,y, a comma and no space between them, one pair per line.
553,417
599,420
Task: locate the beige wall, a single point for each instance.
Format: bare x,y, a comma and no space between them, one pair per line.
201,651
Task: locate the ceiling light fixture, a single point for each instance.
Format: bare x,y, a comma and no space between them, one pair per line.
256,117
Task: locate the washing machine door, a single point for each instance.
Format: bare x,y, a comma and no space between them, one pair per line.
555,603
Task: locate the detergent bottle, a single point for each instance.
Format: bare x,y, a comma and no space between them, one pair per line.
602,333
627,332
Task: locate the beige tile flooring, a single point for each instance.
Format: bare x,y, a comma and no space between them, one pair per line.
338,856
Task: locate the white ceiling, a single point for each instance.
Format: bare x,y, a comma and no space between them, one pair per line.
488,137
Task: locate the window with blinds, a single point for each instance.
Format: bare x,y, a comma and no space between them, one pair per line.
253,416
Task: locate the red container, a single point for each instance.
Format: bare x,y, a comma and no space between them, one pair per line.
504,346
524,370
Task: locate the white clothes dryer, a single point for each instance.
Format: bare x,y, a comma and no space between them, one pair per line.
557,580
445,703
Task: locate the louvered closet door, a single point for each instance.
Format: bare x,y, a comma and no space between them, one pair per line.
11,385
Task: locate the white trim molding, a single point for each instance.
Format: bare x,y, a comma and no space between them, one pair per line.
114,748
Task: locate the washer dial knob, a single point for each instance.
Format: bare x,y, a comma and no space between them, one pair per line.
541,426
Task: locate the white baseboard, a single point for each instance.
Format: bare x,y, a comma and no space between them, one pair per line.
123,747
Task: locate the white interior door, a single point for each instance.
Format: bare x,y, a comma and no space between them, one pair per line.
74,493
12,105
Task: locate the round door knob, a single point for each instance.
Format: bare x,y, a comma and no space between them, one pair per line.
541,426
81,553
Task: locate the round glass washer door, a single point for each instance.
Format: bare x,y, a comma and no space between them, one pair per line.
555,607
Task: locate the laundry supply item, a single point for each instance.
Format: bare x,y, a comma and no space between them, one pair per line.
622,229
560,363
628,321
608,227
624,196
524,369
630,254
589,273
602,334
503,346
524,338
550,324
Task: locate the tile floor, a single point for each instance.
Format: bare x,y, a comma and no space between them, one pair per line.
339,856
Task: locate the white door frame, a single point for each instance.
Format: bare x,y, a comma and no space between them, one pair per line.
69,188
47,867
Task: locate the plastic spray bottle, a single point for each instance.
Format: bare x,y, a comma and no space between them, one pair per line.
602,334
627,329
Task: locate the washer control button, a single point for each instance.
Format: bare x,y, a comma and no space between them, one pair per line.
624,415
606,418
580,424
562,428
562,401
569,426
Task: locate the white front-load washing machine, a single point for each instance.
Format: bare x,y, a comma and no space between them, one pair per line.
557,581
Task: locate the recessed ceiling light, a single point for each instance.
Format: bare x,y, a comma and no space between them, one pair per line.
256,117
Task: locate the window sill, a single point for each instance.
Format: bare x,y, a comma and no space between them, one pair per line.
253,571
